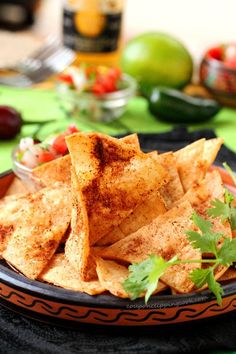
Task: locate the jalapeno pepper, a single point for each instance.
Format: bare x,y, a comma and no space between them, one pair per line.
174,106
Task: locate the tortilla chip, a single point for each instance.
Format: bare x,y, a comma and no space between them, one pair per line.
132,139
11,198
114,179
210,151
141,216
230,274
58,170
173,291
66,235
54,171
201,195
189,164
112,275
19,187
41,223
164,236
9,210
173,189
60,272
77,247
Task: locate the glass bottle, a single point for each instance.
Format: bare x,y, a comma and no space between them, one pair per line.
93,29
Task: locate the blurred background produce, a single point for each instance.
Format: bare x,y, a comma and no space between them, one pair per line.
156,58
10,122
176,54
218,73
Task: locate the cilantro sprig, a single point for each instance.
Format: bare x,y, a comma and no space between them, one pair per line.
207,240
200,277
224,210
144,276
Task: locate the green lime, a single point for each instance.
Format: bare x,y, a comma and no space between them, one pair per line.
157,59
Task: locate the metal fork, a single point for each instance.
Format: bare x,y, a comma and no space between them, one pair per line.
34,61
37,70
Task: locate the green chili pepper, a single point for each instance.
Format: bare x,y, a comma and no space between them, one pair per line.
174,106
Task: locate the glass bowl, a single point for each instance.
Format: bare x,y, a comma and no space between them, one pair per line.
219,80
100,108
23,172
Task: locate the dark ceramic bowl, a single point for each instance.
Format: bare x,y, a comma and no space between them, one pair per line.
219,80
68,308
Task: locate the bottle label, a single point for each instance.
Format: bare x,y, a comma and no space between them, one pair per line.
91,32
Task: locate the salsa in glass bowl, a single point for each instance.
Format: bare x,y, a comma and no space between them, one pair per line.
31,153
99,93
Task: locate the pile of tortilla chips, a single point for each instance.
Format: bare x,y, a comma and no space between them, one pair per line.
107,205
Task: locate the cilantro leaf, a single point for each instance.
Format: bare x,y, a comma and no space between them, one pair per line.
233,218
224,209
200,277
219,209
227,253
229,198
230,172
144,276
45,146
215,287
207,241
204,225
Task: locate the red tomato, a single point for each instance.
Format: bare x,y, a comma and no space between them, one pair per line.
66,78
216,53
107,83
114,73
98,88
59,144
71,129
45,156
90,71
230,63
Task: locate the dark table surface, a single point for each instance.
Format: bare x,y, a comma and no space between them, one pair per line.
23,335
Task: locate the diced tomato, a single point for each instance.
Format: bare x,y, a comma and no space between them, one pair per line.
114,73
216,53
45,156
98,89
66,78
230,63
107,83
71,129
59,144
29,159
91,71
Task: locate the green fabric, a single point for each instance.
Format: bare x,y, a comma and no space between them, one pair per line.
43,105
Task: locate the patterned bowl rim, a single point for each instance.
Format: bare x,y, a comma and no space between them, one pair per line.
54,293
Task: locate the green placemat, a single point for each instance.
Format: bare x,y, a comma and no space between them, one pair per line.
43,105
